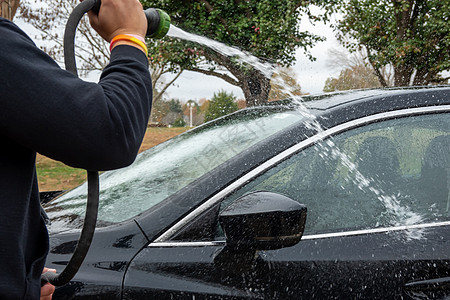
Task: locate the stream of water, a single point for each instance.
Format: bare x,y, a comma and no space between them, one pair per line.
401,215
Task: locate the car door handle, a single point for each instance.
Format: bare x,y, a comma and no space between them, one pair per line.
438,288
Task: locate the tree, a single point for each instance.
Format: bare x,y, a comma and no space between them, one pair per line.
92,52
355,61
204,104
172,111
357,77
159,110
356,71
165,56
166,112
179,122
267,29
8,8
284,85
175,106
412,36
221,104
50,17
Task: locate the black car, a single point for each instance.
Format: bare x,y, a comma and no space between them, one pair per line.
219,211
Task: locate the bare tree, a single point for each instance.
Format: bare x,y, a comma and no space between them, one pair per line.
159,86
342,59
357,77
92,52
8,8
49,18
284,85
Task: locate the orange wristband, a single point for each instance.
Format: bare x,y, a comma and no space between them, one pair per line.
132,38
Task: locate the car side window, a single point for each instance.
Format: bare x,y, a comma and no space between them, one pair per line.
390,173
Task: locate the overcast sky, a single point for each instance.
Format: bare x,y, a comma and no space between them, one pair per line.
310,75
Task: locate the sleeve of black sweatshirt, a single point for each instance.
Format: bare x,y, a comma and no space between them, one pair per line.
86,125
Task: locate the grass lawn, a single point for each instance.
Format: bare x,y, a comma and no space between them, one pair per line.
54,175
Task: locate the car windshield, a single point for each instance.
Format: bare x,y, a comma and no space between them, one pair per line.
165,169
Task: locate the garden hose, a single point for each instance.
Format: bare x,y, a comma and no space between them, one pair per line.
158,24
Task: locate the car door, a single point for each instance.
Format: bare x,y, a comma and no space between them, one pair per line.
377,194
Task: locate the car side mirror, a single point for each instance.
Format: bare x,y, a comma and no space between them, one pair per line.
263,220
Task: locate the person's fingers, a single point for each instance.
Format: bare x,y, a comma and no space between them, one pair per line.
93,20
48,270
119,17
47,292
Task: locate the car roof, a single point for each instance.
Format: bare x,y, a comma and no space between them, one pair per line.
328,101
358,103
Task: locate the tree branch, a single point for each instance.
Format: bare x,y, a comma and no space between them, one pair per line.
440,80
167,86
97,43
401,19
415,14
377,71
225,61
298,4
225,77
210,8
248,12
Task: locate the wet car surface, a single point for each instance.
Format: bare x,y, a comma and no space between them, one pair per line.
348,198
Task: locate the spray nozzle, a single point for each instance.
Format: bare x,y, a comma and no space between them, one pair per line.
158,21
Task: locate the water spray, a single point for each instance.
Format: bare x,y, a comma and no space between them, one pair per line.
158,24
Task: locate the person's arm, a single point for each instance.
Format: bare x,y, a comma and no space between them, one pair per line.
86,125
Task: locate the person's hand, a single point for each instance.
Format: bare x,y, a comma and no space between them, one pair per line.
47,290
119,17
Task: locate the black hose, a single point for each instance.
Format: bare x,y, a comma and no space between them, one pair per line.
90,219
158,23
70,30
84,242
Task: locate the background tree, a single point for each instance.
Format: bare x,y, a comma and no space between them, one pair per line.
180,122
167,112
357,77
221,104
412,36
175,106
159,110
284,85
8,8
267,29
355,71
340,59
204,104
92,52
50,18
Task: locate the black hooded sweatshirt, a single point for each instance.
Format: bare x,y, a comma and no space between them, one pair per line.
48,110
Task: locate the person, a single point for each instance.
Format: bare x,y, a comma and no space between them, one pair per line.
44,109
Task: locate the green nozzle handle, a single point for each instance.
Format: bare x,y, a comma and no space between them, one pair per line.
158,21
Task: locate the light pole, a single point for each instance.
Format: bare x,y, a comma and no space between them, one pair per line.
190,104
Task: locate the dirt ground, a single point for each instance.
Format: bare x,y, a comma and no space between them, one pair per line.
157,135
